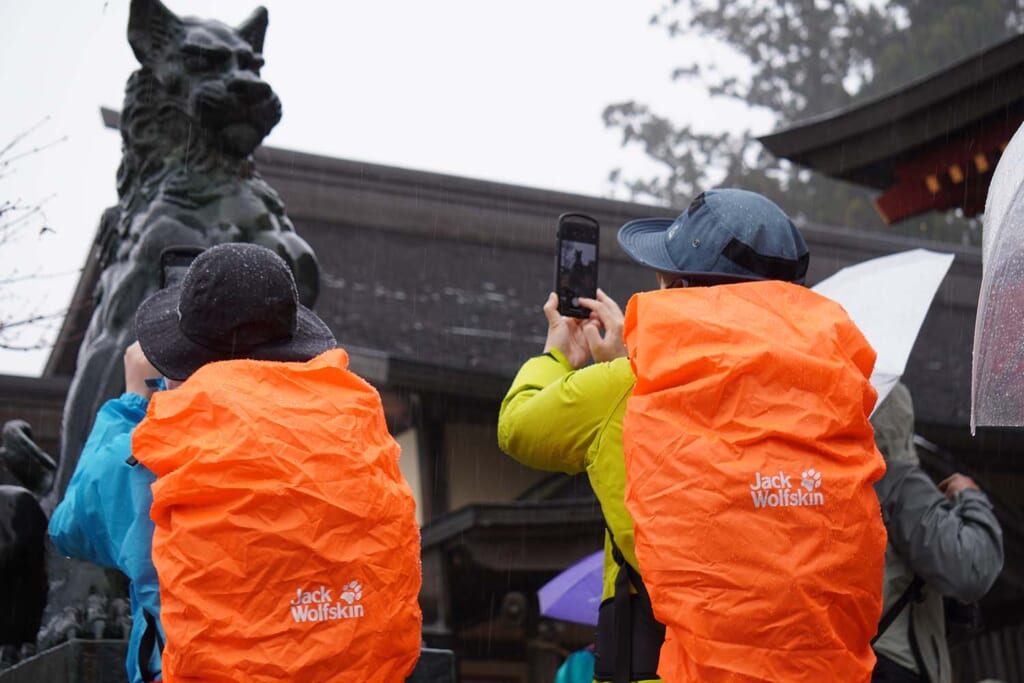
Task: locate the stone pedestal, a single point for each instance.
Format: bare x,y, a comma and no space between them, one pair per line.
76,661
102,661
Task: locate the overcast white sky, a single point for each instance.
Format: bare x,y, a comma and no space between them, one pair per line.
504,91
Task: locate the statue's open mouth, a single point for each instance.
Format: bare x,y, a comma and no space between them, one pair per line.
241,126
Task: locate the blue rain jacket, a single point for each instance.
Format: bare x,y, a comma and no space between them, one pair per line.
104,516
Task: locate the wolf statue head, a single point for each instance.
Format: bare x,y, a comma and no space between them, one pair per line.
198,96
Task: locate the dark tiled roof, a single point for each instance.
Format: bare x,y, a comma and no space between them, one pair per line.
463,305
866,141
435,282
456,304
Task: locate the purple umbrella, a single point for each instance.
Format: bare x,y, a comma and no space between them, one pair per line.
575,594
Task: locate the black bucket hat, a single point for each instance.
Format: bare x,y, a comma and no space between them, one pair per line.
236,301
724,235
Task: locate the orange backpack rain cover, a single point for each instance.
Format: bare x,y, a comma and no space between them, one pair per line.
749,466
286,542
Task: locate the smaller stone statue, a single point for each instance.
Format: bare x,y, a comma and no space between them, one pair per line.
62,628
26,474
96,615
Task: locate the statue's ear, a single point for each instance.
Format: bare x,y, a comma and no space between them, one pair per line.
151,26
254,28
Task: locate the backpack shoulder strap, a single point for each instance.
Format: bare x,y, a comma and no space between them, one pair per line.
623,620
912,593
634,625
632,574
152,643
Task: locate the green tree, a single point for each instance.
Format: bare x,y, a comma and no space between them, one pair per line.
801,58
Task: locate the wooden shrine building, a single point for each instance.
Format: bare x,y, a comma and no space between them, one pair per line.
929,146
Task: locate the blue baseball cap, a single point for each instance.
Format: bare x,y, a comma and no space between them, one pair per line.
724,235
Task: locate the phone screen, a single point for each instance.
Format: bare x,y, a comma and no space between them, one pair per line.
576,268
174,263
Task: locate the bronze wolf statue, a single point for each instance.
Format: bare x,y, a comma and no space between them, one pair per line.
193,115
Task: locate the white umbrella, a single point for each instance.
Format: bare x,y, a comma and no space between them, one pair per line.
888,298
997,382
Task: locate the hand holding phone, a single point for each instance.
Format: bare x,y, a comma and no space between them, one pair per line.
565,334
604,330
576,263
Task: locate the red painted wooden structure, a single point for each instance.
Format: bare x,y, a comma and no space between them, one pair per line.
930,146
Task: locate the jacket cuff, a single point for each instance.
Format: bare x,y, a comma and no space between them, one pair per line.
558,357
134,401
971,494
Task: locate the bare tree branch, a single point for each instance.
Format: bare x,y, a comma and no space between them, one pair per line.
21,136
16,215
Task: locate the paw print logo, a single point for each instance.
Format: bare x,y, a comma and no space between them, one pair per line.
351,592
810,479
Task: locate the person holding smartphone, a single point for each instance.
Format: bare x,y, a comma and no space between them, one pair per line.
265,422
563,414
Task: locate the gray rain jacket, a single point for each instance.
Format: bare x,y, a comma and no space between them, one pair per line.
955,546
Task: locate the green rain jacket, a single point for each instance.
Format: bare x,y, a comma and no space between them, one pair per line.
558,419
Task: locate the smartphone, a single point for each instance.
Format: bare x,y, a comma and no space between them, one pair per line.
174,263
576,263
